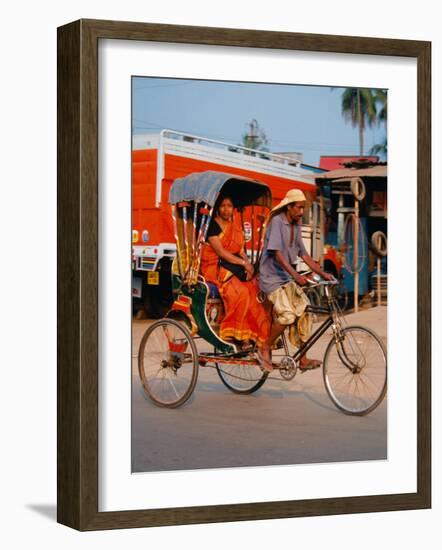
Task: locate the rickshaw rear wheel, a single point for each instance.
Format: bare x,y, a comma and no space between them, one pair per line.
241,379
168,363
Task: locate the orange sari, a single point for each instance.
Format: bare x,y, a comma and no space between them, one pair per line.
245,318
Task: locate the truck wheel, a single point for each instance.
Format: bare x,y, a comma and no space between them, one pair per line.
161,302
161,296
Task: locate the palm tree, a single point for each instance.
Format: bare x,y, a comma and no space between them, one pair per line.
380,149
358,106
380,97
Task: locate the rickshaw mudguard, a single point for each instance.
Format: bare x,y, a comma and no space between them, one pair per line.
193,304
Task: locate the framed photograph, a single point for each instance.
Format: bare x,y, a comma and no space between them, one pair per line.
205,176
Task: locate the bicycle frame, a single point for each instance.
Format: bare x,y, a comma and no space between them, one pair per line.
318,332
332,311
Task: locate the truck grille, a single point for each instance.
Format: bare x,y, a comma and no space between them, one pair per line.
147,263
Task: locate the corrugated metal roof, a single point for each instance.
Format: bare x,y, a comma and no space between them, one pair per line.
372,172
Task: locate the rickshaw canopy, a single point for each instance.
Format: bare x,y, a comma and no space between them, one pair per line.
206,187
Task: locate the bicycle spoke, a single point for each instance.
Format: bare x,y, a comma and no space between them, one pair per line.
168,377
167,363
241,378
361,390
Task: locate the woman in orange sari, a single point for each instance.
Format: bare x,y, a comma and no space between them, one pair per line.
245,318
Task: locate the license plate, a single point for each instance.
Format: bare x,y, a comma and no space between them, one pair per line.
153,278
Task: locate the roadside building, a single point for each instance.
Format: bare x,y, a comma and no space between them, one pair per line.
356,193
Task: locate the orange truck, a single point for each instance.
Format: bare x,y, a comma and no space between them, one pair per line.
157,160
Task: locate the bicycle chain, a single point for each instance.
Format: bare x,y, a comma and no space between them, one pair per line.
239,377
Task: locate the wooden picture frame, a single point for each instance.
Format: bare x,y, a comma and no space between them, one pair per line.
77,226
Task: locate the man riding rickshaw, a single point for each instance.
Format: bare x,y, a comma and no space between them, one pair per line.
216,305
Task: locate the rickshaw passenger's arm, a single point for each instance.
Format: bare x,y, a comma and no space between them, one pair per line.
223,253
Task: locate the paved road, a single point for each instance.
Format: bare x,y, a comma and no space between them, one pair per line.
282,423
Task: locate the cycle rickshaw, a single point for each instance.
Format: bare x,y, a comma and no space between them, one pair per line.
354,363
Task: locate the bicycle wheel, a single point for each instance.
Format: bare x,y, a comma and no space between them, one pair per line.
355,371
241,378
168,363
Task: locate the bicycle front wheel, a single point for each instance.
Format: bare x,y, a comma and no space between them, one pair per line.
355,371
168,363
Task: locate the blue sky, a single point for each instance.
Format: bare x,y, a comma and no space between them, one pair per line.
305,119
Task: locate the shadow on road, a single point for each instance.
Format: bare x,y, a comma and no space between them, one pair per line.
203,387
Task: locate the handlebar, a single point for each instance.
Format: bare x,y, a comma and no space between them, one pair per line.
317,280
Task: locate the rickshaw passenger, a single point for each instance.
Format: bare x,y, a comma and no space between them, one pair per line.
245,319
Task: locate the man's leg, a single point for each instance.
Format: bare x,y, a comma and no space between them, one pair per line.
302,325
304,328
276,330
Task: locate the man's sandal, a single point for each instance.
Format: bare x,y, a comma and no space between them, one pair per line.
263,362
311,364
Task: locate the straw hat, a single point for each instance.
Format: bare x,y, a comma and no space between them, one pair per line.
294,195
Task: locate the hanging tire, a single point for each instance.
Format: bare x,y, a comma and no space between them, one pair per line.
168,363
379,243
358,189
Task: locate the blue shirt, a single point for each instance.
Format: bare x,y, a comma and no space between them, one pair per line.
287,238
